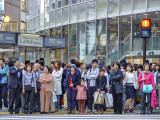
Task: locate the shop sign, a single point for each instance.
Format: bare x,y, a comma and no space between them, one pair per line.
30,40
8,38
1,4
54,42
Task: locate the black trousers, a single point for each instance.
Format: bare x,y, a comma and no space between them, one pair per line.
14,96
29,101
144,102
91,91
117,100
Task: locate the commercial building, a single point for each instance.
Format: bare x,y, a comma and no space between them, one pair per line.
107,30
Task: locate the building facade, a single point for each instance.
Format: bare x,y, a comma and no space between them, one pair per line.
107,30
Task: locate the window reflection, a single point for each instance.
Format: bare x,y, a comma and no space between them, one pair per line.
101,8
112,7
73,14
90,41
101,39
91,10
112,40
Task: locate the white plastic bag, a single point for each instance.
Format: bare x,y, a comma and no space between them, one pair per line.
54,97
109,100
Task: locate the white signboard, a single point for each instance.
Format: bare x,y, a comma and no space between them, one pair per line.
1,4
30,40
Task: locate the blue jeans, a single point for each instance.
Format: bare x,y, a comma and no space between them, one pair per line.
3,92
58,101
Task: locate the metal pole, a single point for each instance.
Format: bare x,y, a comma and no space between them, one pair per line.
144,50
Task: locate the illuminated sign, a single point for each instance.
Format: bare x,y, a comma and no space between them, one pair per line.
54,42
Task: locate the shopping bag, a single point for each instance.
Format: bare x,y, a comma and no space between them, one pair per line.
65,100
98,98
154,100
54,97
109,100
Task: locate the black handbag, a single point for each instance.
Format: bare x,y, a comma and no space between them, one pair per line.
28,88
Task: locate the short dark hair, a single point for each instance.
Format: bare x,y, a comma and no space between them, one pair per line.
63,65
117,63
16,61
140,66
47,68
78,65
26,62
53,62
109,67
11,63
2,59
94,60
102,69
41,59
73,61
37,61
30,66
41,62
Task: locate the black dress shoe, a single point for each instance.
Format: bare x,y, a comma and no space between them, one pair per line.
16,112
119,113
46,112
26,112
30,112
41,112
115,113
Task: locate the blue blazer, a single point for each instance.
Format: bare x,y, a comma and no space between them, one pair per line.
75,80
37,78
15,81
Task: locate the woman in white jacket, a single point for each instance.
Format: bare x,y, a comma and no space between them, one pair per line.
57,74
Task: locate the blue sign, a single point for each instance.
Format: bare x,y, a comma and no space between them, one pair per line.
7,38
20,58
54,42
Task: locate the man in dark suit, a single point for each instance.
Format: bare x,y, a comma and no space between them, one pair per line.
15,85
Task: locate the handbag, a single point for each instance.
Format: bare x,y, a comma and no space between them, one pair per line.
98,98
154,100
54,97
28,88
146,88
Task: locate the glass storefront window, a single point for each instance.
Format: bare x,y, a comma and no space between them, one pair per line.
52,18
139,6
58,17
82,0
81,12
23,27
91,10
14,27
81,43
125,6
73,14
5,27
46,20
37,23
153,43
42,22
125,34
58,51
101,39
65,51
38,7
153,4
23,5
90,41
137,40
65,2
52,32
42,7
113,7
72,41
52,4
59,3
74,1
101,8
65,15
112,40
47,32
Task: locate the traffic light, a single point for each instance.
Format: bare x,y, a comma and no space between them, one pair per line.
146,28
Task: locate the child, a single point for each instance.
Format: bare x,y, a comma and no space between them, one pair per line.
100,86
81,96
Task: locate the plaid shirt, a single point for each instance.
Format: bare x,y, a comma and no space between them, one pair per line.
82,92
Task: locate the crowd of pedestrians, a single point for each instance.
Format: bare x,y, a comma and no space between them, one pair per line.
34,87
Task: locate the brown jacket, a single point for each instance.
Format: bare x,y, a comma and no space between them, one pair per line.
46,81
